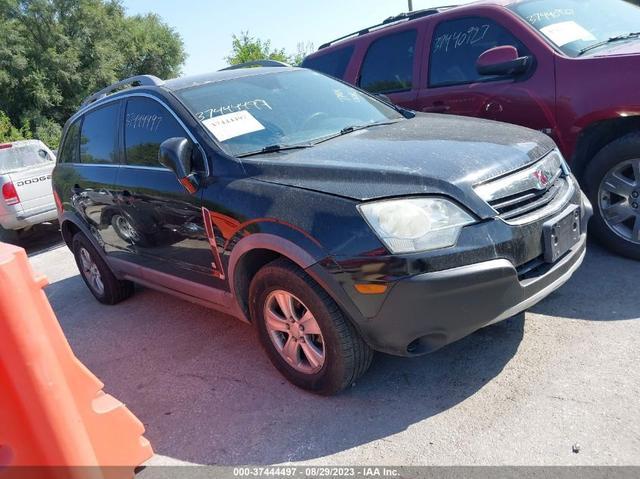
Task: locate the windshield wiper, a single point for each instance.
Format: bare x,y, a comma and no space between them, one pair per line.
275,149
618,38
351,128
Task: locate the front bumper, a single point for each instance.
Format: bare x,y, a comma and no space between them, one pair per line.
423,312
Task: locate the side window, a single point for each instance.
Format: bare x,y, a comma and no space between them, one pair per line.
99,135
388,63
147,124
457,45
70,150
333,63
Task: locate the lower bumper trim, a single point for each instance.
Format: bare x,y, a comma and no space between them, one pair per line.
540,295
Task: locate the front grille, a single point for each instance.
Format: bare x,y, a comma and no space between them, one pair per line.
530,193
518,205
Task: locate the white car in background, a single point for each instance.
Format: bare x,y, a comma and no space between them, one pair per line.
26,197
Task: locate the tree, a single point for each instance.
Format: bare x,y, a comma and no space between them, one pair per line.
54,53
245,48
303,49
8,132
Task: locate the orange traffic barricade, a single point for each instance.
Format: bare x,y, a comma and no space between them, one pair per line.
54,415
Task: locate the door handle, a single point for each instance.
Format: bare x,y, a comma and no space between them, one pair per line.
493,107
437,107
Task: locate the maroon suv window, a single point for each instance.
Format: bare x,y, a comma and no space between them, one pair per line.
388,63
333,63
457,44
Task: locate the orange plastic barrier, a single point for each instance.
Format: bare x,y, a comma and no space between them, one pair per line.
53,411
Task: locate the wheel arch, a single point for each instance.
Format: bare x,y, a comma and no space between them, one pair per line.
255,251
70,224
68,229
599,134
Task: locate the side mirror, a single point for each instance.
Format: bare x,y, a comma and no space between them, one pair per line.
175,154
503,61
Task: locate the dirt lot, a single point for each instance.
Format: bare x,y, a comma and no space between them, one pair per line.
521,392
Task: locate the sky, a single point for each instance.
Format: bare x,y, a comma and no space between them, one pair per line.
206,26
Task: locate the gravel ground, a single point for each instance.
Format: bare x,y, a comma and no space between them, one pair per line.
522,392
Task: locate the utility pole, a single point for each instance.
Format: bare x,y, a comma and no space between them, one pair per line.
411,5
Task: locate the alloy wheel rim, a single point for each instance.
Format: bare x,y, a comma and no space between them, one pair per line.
125,228
91,272
294,332
619,200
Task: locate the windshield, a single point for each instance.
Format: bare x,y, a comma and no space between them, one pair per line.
287,108
573,25
22,156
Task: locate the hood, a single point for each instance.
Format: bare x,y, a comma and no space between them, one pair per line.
631,47
429,154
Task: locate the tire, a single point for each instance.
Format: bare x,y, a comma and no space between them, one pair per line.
619,157
345,354
112,290
9,236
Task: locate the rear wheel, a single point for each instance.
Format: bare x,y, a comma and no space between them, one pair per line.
96,274
303,331
612,182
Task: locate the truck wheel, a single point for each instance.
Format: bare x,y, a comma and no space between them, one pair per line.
96,274
612,182
303,331
9,236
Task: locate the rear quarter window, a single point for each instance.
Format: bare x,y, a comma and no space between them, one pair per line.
70,148
333,63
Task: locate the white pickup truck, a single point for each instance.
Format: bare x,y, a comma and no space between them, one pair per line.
26,197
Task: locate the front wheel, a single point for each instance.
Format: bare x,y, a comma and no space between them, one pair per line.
304,333
612,182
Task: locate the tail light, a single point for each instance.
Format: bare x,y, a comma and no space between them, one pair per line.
10,194
4,146
59,206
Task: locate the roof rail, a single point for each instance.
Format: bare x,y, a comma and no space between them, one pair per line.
139,80
387,21
256,63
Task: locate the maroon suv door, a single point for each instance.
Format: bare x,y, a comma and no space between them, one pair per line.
389,63
451,84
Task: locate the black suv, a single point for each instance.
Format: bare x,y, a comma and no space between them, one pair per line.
333,221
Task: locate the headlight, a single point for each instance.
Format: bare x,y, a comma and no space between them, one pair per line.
415,224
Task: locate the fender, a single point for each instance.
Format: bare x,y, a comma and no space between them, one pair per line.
277,244
304,259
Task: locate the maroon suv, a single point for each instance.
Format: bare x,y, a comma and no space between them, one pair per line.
569,68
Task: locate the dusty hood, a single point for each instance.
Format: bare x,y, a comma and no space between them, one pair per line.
428,154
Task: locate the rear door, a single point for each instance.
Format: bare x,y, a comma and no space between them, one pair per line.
86,171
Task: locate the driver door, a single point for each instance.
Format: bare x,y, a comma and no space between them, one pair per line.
454,86
159,222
